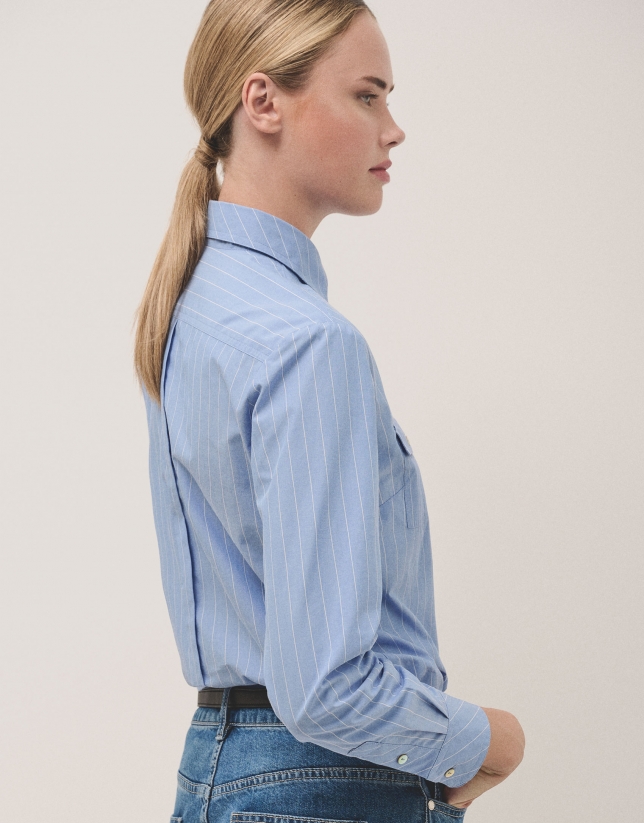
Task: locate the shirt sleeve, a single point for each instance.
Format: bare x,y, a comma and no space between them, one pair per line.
314,458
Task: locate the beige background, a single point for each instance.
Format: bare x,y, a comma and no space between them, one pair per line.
500,288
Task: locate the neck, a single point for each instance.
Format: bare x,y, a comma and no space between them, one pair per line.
269,191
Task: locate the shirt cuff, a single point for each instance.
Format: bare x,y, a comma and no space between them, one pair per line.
461,745
466,743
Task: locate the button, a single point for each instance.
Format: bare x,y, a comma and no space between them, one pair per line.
403,758
449,772
431,805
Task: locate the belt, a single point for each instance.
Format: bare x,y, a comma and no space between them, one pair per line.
239,697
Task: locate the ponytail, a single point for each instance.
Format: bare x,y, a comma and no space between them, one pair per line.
180,250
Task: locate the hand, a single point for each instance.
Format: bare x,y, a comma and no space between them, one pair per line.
507,743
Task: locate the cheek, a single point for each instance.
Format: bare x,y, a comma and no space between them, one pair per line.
338,142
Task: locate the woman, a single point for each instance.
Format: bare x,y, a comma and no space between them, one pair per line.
288,504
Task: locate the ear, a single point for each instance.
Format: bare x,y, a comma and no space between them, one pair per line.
261,101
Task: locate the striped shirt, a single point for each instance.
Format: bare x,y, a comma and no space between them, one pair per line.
290,511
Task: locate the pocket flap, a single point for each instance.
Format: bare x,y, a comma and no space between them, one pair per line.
402,437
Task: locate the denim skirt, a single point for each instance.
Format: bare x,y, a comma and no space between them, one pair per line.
242,765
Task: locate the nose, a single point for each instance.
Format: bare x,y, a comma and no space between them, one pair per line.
394,135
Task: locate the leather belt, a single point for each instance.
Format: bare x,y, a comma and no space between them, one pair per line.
239,697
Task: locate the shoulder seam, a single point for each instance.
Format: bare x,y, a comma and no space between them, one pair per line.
222,337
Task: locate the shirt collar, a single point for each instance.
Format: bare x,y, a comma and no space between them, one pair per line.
264,232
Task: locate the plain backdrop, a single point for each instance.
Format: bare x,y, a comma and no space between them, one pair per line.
501,290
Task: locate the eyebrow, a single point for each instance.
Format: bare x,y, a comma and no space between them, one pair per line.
377,82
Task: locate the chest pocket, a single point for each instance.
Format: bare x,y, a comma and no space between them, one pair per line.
410,477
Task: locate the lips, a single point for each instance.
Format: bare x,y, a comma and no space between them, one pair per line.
381,171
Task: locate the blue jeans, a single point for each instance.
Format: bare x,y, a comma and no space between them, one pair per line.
244,766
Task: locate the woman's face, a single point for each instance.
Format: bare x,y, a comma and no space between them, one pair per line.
338,128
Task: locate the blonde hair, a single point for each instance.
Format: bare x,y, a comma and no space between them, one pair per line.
281,38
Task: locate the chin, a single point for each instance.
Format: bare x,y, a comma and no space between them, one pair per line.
369,204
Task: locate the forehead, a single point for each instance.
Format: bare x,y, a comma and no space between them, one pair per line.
358,53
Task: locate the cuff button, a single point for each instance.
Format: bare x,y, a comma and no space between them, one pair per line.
403,758
449,772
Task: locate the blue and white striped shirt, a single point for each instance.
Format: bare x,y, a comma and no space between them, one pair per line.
291,514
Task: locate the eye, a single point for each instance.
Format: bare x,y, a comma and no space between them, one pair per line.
367,97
